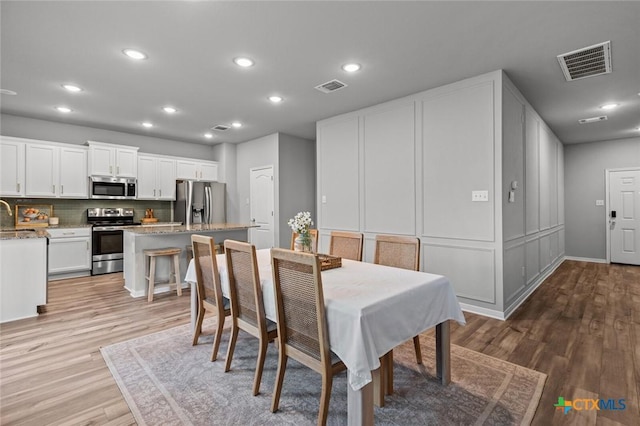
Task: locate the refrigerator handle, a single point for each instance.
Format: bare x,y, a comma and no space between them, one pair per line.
207,204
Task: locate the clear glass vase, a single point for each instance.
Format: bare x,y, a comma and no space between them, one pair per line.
303,242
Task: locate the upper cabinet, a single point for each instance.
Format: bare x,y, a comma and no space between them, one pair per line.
11,167
54,170
196,170
112,160
156,177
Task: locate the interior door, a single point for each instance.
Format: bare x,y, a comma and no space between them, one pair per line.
624,216
261,194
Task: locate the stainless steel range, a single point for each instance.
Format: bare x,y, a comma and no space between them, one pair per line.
107,250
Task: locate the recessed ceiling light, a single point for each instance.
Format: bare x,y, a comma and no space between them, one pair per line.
351,67
608,106
63,109
169,109
147,124
72,88
243,62
208,135
134,54
236,124
275,99
8,92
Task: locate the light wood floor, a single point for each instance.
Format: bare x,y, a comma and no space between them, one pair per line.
581,327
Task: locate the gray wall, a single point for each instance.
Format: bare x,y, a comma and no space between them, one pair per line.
31,128
297,181
226,155
585,166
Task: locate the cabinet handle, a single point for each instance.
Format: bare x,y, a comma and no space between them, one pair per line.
110,170
68,233
18,187
154,192
160,192
61,189
87,245
54,189
118,170
196,174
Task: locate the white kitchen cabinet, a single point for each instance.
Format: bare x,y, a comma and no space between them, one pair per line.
112,160
12,176
56,171
69,252
23,277
156,177
196,170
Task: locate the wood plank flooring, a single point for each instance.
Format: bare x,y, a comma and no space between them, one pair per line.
581,328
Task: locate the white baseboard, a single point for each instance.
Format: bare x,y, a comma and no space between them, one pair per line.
586,259
157,289
524,296
491,313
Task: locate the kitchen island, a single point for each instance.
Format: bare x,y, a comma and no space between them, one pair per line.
23,273
136,239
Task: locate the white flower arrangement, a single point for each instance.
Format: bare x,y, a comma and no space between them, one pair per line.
301,223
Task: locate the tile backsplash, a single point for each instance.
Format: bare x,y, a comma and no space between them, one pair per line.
74,212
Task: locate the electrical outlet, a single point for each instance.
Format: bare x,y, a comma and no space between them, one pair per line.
479,195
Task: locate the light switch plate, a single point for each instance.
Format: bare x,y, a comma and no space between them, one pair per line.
479,195
599,202
324,199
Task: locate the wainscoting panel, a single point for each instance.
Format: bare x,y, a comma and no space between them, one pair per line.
470,270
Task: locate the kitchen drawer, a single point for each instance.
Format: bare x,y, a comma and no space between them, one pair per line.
69,232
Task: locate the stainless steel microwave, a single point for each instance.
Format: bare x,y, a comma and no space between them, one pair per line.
107,188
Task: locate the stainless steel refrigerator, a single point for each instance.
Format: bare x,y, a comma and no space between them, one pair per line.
200,202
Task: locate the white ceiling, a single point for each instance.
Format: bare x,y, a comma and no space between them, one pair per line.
404,48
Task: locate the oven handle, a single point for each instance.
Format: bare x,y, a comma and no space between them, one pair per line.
107,228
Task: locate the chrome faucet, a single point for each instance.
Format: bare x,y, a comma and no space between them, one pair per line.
7,206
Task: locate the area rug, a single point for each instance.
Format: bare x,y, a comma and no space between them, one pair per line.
167,381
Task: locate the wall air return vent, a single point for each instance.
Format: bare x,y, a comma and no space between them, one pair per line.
331,86
592,119
587,62
220,128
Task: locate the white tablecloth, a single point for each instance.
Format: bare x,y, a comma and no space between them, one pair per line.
370,308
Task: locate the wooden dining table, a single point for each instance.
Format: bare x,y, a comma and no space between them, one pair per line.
370,309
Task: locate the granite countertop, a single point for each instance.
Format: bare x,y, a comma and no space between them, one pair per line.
175,229
21,233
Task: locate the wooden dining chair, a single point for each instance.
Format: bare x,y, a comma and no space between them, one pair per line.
209,289
302,327
399,252
314,236
247,306
347,245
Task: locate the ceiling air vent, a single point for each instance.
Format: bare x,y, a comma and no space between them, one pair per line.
587,62
220,128
592,119
331,86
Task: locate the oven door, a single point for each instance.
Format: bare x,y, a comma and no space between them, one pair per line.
107,250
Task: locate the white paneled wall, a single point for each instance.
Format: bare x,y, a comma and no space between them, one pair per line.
409,167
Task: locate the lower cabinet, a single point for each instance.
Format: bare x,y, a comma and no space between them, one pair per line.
69,252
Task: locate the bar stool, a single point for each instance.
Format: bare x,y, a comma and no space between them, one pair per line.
152,254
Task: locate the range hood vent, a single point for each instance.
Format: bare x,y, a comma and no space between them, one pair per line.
331,86
220,128
592,119
587,62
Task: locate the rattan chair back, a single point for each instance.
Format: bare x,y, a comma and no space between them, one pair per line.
300,302
208,286
244,282
347,245
397,251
